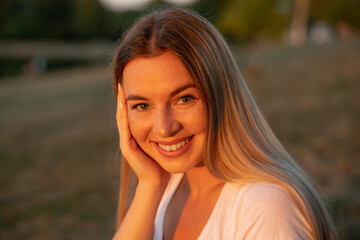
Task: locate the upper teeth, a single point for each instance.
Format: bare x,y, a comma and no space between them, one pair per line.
174,147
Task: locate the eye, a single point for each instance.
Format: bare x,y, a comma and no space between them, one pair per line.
185,100
142,107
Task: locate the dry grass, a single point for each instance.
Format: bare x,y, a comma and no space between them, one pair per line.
58,166
58,143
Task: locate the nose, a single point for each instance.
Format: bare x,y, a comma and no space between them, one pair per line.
165,123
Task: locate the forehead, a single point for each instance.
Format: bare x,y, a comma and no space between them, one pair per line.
164,72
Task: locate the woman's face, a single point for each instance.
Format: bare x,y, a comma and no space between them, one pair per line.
167,116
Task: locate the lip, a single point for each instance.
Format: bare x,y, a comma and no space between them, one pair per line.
176,153
172,142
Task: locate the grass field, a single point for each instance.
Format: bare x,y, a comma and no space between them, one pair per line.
58,141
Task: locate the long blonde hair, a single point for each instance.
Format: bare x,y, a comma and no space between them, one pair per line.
240,145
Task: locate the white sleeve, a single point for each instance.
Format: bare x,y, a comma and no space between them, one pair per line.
267,211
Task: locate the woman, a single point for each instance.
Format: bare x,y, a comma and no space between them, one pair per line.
208,166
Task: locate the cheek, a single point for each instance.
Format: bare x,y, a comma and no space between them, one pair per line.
198,119
138,127
201,125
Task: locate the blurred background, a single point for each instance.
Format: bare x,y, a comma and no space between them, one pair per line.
59,157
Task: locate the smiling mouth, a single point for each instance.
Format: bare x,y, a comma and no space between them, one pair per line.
174,147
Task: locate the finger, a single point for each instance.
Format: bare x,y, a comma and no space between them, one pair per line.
121,101
121,93
118,109
123,123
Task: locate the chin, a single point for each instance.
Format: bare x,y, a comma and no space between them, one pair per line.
180,167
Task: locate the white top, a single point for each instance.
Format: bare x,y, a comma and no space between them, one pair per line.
254,211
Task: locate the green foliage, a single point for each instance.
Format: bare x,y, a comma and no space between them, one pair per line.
239,20
210,9
334,11
87,18
244,20
16,19
61,19
53,18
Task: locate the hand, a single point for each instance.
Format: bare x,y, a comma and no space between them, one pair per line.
147,170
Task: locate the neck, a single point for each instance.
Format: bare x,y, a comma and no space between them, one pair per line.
201,181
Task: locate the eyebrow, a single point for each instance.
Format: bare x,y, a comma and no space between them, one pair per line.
173,93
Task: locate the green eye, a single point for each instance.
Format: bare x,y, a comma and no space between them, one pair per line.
186,99
142,107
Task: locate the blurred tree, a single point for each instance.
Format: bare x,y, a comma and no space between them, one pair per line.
244,20
60,19
87,18
334,11
300,17
52,18
240,20
16,19
210,9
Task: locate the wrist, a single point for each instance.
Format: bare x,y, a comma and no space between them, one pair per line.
155,186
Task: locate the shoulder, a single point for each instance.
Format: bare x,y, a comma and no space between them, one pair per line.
259,194
265,210
265,199
266,195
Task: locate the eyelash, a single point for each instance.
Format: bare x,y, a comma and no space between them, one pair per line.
138,106
187,96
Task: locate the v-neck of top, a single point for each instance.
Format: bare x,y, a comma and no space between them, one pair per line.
173,184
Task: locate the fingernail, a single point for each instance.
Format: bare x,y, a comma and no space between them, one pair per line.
118,88
121,106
